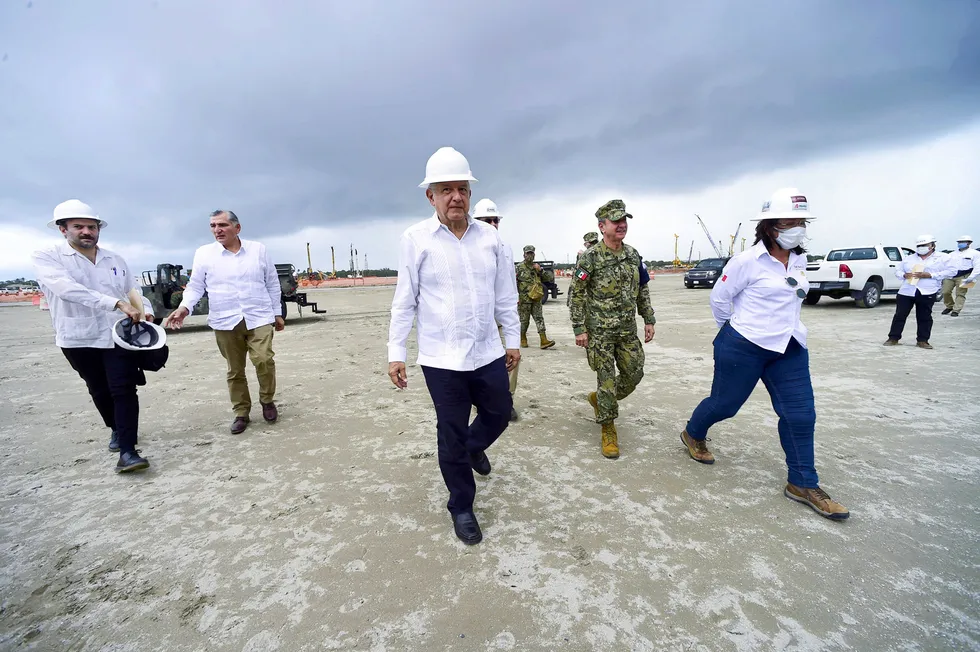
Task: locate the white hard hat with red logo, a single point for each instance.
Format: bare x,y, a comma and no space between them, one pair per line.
785,204
486,208
446,165
73,208
964,238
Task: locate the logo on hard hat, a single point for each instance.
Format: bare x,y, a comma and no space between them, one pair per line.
799,202
765,207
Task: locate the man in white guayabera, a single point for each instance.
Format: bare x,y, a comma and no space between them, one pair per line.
456,282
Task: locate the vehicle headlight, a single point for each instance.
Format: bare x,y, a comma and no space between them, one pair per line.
712,273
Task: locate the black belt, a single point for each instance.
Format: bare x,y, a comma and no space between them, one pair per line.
964,272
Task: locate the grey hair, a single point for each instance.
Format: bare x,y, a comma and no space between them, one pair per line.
231,215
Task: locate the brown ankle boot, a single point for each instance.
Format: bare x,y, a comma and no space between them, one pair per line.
594,402
610,441
545,342
524,343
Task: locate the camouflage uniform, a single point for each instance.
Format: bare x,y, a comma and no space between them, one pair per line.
590,239
610,284
527,278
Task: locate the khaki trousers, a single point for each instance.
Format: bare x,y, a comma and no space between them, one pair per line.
949,286
511,375
234,344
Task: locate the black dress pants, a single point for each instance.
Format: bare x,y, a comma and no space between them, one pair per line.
112,376
923,315
454,393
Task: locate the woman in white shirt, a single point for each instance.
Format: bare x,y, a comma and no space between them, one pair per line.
923,273
757,304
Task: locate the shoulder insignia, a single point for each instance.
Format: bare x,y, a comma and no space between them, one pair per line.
581,274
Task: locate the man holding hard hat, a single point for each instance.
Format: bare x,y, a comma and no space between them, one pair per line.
967,262
96,304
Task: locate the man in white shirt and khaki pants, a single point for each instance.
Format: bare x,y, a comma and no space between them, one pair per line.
456,282
244,303
89,289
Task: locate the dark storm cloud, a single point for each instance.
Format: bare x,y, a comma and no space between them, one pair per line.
315,113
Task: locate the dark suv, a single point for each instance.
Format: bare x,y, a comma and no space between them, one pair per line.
705,273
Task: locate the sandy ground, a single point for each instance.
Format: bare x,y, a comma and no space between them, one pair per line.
328,530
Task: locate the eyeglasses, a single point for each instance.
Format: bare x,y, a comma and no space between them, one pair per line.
792,282
490,220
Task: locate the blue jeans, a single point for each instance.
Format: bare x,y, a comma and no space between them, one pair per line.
739,364
454,393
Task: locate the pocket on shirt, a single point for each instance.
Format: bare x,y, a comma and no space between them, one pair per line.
79,328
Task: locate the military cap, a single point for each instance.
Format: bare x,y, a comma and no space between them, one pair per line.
613,210
591,236
528,248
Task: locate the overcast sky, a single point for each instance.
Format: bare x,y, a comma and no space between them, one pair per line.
313,119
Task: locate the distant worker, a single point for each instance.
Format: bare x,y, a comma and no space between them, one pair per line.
486,211
530,289
610,286
590,239
923,273
244,305
88,289
756,304
456,283
967,262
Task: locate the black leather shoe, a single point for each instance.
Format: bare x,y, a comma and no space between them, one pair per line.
131,461
947,311
238,425
480,463
513,414
114,441
467,529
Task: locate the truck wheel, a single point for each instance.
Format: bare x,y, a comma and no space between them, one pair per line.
812,298
869,296
283,308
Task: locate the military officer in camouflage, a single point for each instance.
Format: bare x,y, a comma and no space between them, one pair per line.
589,240
611,281
530,291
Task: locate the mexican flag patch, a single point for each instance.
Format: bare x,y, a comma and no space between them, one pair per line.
581,274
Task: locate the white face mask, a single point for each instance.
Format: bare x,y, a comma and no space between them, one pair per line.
791,238
923,250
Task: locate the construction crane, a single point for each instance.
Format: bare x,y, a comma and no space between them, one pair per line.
677,261
743,244
690,254
731,247
333,265
717,247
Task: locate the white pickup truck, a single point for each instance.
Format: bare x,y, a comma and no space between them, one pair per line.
863,273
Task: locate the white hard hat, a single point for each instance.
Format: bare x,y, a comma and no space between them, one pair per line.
964,238
75,208
785,204
485,208
924,240
138,336
446,165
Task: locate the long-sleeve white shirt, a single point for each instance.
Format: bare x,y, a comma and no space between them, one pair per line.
966,259
939,265
242,285
755,297
456,290
82,296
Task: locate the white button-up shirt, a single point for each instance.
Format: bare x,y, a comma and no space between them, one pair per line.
939,265
456,290
967,259
754,295
242,285
82,296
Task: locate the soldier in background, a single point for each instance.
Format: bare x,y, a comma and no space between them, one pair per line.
530,291
611,281
590,239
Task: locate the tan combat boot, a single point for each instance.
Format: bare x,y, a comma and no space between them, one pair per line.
697,449
817,500
545,342
594,402
610,441
524,343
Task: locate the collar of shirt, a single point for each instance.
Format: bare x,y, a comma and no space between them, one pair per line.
100,253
